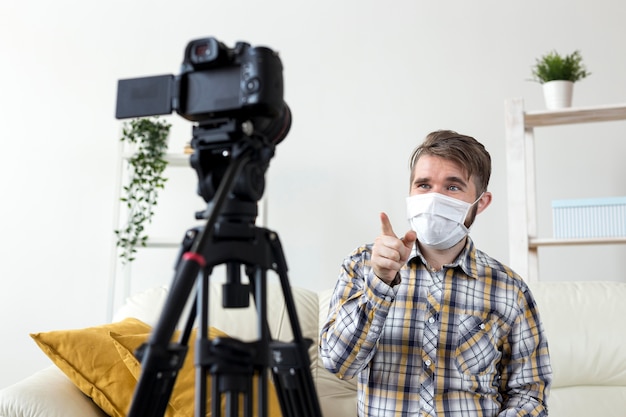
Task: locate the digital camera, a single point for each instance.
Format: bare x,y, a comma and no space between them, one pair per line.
215,82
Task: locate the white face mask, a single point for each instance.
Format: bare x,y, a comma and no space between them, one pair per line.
438,220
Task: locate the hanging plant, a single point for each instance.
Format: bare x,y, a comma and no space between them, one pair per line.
148,136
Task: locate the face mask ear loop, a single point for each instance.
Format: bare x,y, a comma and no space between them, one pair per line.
477,200
468,229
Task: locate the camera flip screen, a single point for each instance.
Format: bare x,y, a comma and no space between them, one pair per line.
147,96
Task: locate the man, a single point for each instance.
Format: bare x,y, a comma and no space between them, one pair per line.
431,325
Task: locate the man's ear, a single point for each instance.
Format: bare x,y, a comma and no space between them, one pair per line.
483,202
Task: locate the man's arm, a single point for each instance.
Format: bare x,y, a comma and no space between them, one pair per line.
361,301
357,312
527,373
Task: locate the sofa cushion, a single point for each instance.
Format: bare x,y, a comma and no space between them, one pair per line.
586,331
90,360
584,323
240,322
47,393
237,322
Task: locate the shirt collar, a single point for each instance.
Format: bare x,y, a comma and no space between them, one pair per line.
466,259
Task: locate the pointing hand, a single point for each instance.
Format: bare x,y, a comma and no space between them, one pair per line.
390,253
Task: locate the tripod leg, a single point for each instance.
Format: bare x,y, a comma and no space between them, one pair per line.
201,371
160,359
260,298
290,362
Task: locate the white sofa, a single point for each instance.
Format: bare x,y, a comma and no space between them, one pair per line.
586,325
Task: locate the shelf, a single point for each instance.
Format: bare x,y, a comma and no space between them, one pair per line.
522,184
537,242
163,243
174,159
575,115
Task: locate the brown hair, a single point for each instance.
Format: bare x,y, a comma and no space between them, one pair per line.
462,149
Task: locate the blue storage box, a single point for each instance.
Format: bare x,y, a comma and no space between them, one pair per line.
589,218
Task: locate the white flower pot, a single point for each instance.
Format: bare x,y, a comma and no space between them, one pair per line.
558,94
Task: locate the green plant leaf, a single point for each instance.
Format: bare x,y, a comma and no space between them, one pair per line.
553,66
146,167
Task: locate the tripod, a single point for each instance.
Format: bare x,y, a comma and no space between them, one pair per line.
231,238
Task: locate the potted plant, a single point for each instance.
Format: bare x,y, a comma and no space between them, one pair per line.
558,74
148,139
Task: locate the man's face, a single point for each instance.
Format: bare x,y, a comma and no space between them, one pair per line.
443,176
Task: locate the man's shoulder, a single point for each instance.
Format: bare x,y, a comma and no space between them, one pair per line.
504,280
362,251
359,257
484,262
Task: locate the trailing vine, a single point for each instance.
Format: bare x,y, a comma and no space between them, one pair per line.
148,136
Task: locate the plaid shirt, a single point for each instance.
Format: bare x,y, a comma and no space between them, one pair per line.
464,341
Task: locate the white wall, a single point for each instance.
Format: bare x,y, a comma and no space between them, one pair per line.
366,81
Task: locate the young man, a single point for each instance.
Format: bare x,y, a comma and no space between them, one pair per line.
431,325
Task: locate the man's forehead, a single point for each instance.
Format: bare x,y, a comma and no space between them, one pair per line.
429,166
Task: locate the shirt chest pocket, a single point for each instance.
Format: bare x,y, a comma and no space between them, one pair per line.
477,350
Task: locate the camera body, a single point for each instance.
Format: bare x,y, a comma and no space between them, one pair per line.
215,82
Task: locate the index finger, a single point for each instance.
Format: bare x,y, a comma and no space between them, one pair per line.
386,225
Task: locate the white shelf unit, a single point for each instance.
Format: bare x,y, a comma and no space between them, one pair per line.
522,201
174,160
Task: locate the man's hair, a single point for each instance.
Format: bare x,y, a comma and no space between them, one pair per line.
462,149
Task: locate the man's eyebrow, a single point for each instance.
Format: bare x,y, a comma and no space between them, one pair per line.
457,179
453,178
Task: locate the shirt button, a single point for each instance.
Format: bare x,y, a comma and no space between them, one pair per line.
431,320
375,328
482,326
427,362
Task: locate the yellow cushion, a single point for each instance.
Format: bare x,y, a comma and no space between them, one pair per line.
182,399
90,360
100,362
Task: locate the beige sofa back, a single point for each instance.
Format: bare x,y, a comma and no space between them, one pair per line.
586,327
585,323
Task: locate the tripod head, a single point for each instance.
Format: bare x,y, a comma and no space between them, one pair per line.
218,142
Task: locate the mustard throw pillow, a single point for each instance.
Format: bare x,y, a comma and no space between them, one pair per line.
182,399
91,361
100,362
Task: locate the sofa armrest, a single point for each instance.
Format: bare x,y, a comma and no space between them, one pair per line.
47,393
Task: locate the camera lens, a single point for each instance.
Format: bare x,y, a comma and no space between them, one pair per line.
276,129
